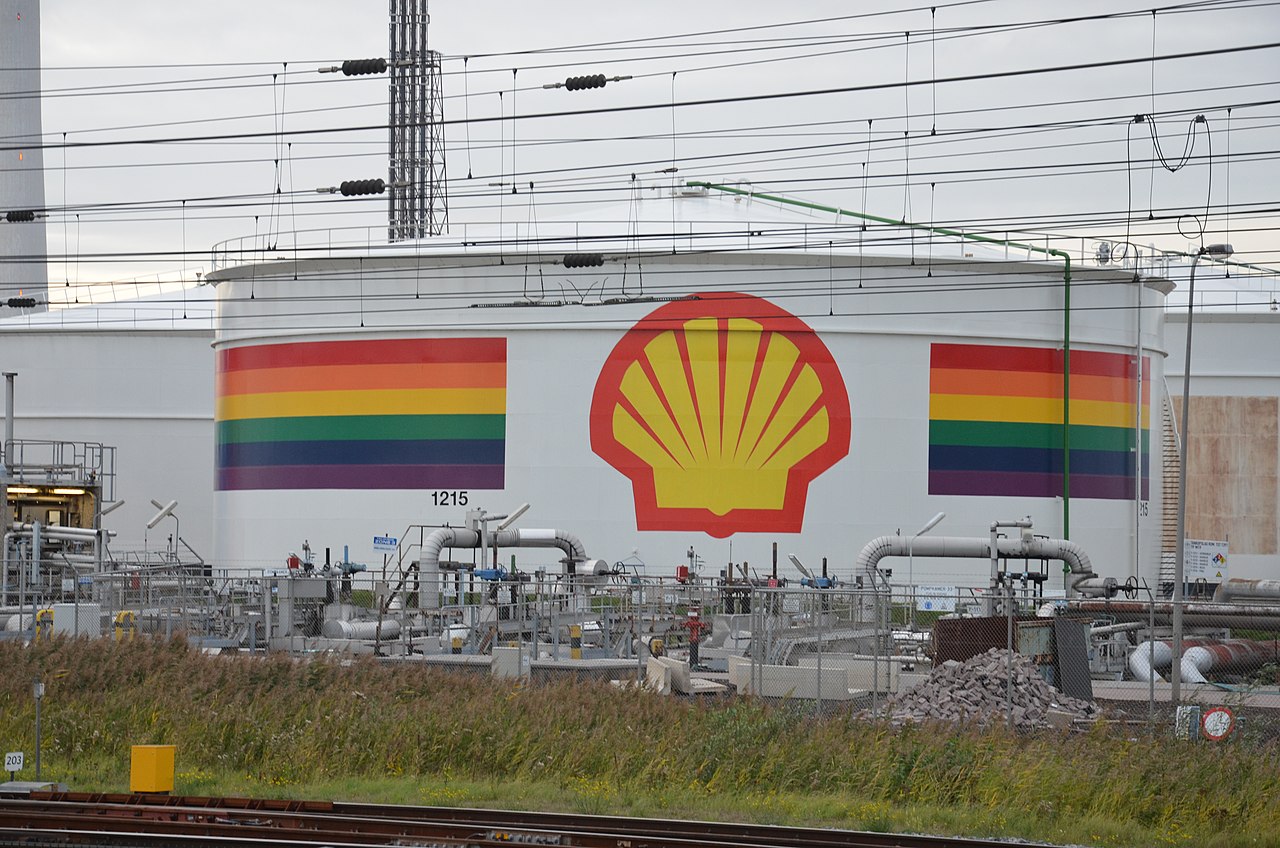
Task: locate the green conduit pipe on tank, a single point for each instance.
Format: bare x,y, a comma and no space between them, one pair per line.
1048,251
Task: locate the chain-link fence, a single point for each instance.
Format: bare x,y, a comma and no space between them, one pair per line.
1010,654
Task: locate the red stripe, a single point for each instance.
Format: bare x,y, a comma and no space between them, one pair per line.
1039,359
362,352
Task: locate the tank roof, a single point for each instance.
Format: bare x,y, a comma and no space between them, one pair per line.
655,220
190,309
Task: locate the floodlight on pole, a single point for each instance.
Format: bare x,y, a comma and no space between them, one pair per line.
799,566
928,525
931,523
511,518
111,507
1219,252
164,512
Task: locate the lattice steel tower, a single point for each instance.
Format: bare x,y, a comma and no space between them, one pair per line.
417,205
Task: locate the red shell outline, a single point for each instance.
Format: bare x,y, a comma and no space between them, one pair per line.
720,305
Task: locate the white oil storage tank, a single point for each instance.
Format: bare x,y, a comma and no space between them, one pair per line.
695,370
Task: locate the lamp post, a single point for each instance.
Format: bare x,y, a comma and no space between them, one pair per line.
37,690
929,525
166,510
1213,251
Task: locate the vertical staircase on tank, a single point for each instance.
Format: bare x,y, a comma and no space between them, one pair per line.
1170,447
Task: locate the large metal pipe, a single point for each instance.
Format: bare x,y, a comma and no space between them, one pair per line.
39,533
1249,589
460,537
1200,656
1083,580
65,534
1255,616
337,628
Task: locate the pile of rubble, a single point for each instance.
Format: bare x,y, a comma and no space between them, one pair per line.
976,691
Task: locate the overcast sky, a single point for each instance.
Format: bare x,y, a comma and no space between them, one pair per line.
1033,150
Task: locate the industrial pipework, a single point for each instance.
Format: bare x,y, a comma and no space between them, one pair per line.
479,536
460,537
1082,581
1199,656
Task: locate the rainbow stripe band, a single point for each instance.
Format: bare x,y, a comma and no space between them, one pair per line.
995,422
367,414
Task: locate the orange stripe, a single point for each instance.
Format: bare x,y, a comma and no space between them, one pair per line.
319,378
947,381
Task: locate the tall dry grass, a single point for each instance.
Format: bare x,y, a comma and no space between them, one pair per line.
281,722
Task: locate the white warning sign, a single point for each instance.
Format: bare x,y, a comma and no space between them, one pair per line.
936,598
1203,559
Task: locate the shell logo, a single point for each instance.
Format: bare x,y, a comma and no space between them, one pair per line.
721,409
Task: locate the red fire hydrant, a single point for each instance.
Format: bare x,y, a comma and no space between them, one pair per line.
696,627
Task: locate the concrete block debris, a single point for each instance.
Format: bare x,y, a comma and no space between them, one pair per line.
976,691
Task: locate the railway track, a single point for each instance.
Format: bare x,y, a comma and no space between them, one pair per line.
68,820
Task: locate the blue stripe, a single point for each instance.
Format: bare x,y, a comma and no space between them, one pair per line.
346,452
1036,460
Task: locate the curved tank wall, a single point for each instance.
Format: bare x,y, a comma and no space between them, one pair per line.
1233,462
134,377
715,401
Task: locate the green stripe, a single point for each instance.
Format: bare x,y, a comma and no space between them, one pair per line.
1000,434
361,428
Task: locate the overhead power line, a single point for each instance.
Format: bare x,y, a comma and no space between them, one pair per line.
745,98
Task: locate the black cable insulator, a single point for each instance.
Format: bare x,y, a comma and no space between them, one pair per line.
360,67
583,260
351,188
21,302
19,216
589,81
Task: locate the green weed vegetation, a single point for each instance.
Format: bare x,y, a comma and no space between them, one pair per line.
362,731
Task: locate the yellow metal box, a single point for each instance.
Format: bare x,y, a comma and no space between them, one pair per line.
151,768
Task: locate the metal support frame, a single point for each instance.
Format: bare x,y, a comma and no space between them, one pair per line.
417,204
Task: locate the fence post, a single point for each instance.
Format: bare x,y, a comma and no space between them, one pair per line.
1009,648
815,602
1151,657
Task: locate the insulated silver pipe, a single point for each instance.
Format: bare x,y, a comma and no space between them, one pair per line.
1248,589
65,534
460,537
1255,616
1083,581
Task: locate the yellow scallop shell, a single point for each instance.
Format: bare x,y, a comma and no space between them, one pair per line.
721,426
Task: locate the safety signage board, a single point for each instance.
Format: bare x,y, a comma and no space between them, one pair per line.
1206,560
936,598
386,543
1217,723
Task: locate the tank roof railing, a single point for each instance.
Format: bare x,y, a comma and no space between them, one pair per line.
36,461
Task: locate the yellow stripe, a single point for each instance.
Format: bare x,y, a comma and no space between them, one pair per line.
740,364
637,389
807,439
489,401
778,363
668,369
1014,410
702,339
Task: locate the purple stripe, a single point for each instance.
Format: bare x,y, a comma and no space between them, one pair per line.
1029,484
362,477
